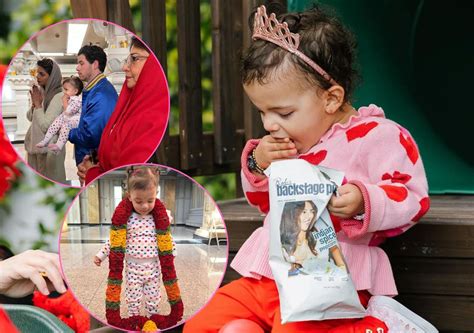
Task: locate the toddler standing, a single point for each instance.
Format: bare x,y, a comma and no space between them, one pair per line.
142,268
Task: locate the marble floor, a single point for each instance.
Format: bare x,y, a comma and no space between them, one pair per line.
199,268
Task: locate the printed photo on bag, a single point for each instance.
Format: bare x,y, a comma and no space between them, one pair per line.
306,259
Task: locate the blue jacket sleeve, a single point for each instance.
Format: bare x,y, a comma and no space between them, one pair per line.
96,112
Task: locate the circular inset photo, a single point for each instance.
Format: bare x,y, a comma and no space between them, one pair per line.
143,246
82,97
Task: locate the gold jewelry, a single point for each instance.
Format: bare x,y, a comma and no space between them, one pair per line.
258,168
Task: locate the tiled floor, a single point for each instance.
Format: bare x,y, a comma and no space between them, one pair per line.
199,268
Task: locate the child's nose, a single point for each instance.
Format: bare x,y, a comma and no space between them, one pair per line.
270,125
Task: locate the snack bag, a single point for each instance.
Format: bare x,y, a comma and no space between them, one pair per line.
306,261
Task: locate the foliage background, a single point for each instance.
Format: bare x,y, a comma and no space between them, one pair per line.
32,211
19,20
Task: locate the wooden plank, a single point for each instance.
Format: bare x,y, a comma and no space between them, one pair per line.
446,240
458,209
227,90
453,277
154,34
189,76
154,28
241,220
89,9
206,167
119,12
252,123
450,313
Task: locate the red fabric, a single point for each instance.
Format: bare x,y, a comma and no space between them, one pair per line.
256,300
138,122
424,206
315,158
93,173
3,72
397,177
410,146
5,323
66,308
8,160
360,131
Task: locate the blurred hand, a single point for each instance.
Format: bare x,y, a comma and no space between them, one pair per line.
82,168
21,274
349,203
270,149
97,261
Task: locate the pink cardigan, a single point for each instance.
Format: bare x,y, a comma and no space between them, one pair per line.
381,158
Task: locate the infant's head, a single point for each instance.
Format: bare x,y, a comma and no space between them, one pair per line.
72,86
142,186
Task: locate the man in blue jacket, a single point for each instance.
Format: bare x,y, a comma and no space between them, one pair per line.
98,101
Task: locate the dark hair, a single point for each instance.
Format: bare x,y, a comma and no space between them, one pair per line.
138,43
323,38
75,82
142,177
290,228
47,64
93,53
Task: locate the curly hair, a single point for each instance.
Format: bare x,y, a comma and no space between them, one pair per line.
93,53
323,38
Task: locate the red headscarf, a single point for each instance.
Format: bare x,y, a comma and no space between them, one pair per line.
138,122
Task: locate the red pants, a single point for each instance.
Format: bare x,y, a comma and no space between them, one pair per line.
255,300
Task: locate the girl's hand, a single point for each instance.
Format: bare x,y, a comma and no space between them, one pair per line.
65,100
20,274
271,149
349,203
97,261
36,97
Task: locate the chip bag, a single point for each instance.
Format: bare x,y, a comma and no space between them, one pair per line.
307,264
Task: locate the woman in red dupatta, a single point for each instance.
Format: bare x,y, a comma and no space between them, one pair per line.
139,120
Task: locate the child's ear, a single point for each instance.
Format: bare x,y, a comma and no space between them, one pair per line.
127,195
334,98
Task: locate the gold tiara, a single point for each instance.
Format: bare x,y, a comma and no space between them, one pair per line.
270,29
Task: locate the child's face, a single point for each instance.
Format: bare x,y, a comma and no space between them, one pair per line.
289,111
69,89
306,216
143,201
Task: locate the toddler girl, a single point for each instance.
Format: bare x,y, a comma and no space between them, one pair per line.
140,211
299,72
69,118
